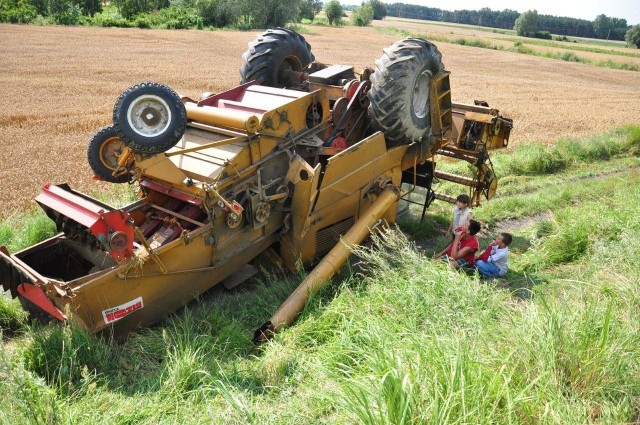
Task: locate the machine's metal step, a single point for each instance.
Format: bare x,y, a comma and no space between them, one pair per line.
456,179
467,156
446,198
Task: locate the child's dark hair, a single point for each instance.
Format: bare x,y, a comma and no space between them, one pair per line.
464,199
474,227
506,238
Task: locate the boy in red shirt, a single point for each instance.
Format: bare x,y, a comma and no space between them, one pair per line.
461,252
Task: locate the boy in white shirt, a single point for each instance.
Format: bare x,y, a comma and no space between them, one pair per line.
494,261
462,214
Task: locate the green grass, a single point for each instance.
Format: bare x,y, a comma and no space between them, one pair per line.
575,46
13,319
519,46
394,31
19,232
397,338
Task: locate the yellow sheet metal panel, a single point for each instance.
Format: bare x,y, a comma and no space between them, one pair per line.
159,167
305,181
357,166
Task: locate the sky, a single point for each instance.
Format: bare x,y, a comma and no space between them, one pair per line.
582,9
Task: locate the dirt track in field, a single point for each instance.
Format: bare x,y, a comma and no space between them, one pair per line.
59,84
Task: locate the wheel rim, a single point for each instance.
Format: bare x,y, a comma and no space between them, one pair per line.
420,100
149,115
110,151
290,63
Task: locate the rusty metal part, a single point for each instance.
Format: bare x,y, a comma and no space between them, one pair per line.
150,251
466,181
233,220
262,212
340,114
165,219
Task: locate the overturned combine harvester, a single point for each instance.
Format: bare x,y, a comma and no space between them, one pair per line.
302,159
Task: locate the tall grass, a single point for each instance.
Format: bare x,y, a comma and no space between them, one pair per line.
536,159
66,356
19,232
577,46
13,319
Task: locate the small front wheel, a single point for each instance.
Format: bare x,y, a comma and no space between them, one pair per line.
150,118
103,152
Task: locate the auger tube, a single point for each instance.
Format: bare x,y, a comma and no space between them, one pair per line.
327,267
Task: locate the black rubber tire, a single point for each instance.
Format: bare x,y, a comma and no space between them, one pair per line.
103,159
400,91
276,49
166,122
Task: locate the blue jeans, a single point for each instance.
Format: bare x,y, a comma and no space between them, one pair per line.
488,270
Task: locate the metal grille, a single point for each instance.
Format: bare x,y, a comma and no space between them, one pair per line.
327,237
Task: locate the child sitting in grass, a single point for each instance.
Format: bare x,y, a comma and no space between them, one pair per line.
461,252
494,261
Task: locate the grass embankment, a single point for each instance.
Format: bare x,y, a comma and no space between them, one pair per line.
398,339
520,46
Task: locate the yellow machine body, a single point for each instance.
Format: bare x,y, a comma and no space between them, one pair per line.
257,167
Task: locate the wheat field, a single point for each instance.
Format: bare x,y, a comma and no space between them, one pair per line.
59,84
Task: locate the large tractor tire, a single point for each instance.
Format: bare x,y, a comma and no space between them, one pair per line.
399,92
150,118
273,52
103,152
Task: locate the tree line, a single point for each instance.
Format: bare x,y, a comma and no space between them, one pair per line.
249,14
179,14
241,14
602,26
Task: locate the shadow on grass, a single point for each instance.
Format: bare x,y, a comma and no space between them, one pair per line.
520,284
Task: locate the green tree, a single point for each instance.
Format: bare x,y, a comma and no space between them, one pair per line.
17,11
130,8
267,13
334,12
217,13
89,7
633,36
41,6
527,23
602,26
379,9
65,12
362,16
309,9
485,17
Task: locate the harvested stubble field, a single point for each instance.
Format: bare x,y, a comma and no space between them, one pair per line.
59,85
